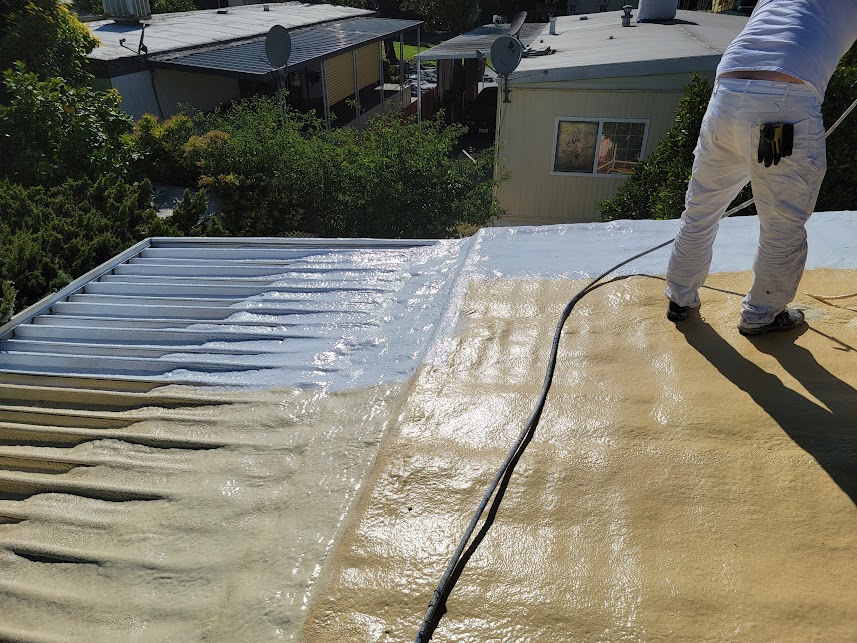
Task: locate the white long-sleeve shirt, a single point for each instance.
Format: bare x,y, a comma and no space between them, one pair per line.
801,38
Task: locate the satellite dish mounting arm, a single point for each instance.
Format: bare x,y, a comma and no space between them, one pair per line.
506,53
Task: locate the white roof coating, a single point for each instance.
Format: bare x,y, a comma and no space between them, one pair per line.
599,47
175,31
242,312
327,313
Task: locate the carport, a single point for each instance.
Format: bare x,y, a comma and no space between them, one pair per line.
329,64
461,65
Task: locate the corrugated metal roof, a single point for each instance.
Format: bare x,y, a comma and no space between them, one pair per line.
599,47
481,39
308,45
188,309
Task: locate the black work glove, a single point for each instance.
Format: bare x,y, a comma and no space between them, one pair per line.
776,140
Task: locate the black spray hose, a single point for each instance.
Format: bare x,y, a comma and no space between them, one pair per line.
437,606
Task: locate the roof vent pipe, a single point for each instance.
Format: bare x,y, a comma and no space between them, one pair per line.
626,17
552,31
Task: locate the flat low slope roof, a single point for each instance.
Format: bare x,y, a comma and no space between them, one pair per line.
240,312
597,46
176,31
479,40
685,482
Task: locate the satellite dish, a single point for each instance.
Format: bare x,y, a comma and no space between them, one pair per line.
517,23
278,46
506,53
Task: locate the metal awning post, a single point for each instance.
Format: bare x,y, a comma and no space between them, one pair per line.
282,88
381,74
325,99
356,87
419,83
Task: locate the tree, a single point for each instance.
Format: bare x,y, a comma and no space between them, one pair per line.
359,4
48,39
456,16
839,189
537,10
278,171
7,301
52,129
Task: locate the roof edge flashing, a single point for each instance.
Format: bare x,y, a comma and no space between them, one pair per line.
657,67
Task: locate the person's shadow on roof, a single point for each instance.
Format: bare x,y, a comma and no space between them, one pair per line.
830,436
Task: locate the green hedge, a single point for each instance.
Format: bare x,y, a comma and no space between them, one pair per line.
277,171
49,236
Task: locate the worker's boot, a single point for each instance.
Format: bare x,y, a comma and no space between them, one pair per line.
786,319
676,313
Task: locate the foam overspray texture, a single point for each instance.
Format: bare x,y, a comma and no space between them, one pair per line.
174,514
684,482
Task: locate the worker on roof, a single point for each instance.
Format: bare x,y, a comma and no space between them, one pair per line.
763,125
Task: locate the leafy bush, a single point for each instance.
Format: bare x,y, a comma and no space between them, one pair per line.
48,236
51,130
277,171
7,301
160,149
839,189
455,16
188,216
172,6
157,6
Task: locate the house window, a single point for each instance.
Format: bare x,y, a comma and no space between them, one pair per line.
598,146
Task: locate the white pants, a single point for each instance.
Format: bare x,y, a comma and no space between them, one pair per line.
785,194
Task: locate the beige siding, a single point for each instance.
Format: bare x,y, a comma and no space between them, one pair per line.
368,59
339,72
526,131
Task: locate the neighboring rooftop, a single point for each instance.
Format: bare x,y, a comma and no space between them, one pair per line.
177,31
597,46
309,44
479,40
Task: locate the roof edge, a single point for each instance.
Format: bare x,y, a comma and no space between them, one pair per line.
656,67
